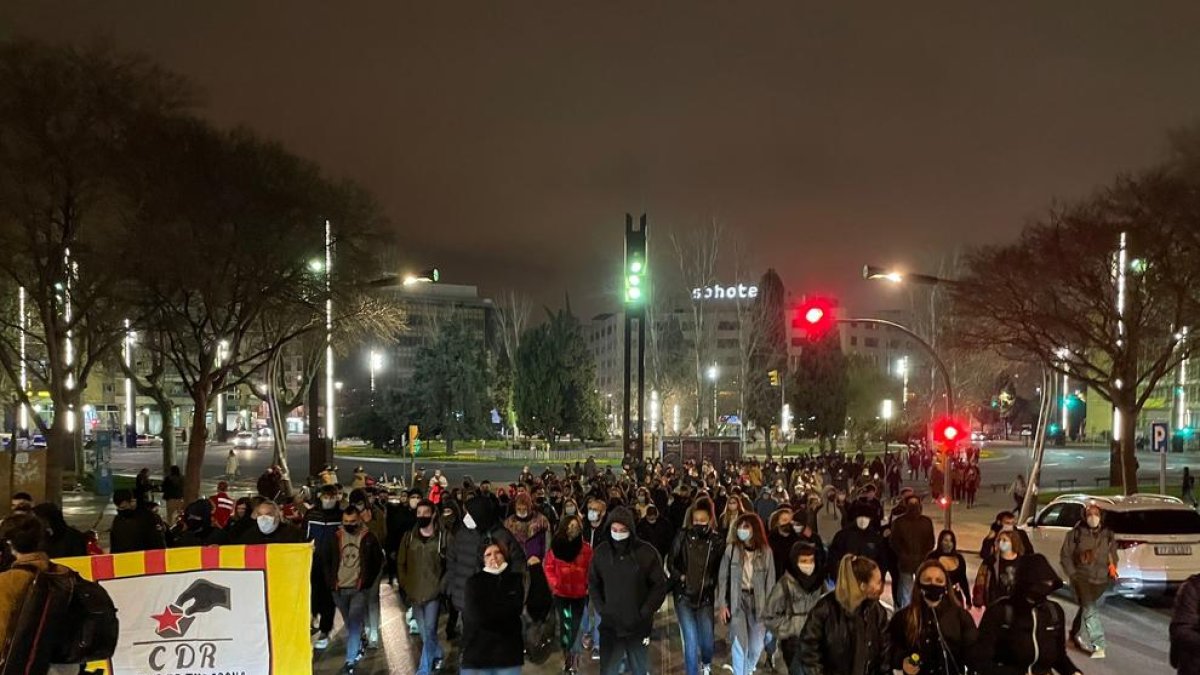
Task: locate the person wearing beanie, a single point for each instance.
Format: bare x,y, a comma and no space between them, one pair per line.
626,586
464,557
198,527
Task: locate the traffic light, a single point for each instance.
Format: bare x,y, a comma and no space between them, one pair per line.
635,267
773,375
414,440
814,317
949,432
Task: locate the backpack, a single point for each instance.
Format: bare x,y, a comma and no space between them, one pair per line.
64,619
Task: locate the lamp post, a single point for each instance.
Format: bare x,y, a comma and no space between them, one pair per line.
886,411
712,377
375,365
902,371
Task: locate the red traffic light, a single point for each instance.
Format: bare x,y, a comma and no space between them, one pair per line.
814,317
949,431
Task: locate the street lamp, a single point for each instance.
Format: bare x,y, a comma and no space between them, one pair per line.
886,411
902,371
712,377
375,364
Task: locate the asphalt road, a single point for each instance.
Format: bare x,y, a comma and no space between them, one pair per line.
1137,630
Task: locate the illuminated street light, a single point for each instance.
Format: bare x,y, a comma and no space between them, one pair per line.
375,364
712,376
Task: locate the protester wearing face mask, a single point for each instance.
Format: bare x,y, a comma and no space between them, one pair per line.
1006,521
911,539
998,574
655,530
859,538
270,528
790,601
747,576
420,562
846,631
351,560
1023,633
566,568
1089,560
320,526
947,555
694,566
480,524
933,627
492,643
626,586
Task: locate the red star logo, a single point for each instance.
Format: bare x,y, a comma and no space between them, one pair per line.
168,621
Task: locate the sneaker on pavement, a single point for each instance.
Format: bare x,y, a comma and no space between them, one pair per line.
1083,647
322,641
436,666
706,669
595,653
1098,654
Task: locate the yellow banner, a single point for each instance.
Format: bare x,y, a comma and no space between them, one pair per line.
207,611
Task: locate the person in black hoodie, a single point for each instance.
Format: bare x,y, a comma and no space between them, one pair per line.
1025,632
492,643
134,528
198,528
656,531
859,538
933,626
626,586
62,540
694,566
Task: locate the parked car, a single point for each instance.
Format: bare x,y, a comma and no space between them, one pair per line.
1158,538
148,439
38,441
245,439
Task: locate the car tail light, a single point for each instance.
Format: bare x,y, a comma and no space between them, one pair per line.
1124,544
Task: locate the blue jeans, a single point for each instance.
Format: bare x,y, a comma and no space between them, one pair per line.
352,605
696,629
745,656
427,621
515,670
590,625
902,588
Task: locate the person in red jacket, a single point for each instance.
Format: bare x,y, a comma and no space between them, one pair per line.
222,505
566,568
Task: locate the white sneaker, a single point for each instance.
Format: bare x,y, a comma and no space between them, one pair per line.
706,669
1098,654
322,641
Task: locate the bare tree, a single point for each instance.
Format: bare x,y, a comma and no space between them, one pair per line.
698,254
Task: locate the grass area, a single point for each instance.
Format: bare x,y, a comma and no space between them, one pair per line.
119,482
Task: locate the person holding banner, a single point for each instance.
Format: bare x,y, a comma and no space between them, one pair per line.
270,528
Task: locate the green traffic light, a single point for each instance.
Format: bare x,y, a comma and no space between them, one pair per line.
635,266
634,293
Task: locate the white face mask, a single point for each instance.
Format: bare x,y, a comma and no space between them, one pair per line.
469,522
328,503
620,536
1093,521
863,522
744,535
496,570
807,568
267,524
570,510
1005,546
593,515
1006,528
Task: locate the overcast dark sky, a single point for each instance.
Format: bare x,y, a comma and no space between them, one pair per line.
507,139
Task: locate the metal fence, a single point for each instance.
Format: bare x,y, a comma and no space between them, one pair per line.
544,454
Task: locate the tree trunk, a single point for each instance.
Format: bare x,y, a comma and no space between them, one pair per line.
60,454
1123,469
166,408
197,442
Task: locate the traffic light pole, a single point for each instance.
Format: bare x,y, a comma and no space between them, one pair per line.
635,310
945,373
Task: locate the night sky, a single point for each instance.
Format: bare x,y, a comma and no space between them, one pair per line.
506,140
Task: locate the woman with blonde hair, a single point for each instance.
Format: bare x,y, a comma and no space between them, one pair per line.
747,577
934,634
846,631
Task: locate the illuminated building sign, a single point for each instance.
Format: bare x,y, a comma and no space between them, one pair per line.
719,292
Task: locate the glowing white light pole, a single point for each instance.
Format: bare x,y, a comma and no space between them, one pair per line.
330,430
23,414
675,419
654,410
222,356
1121,263
127,355
902,370
375,363
1181,421
712,376
886,410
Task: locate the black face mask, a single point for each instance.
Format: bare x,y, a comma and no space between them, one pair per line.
350,529
424,521
700,529
933,592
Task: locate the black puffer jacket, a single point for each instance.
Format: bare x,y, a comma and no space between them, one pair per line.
1008,632
626,583
465,555
835,642
491,635
695,564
